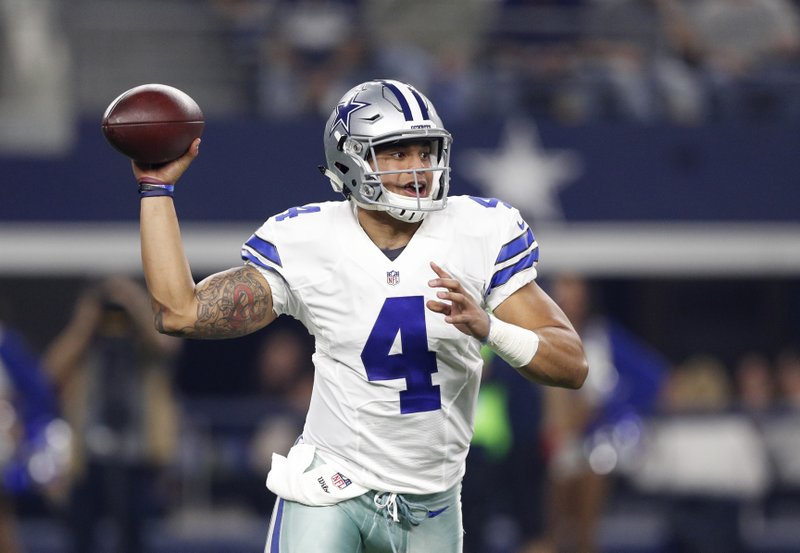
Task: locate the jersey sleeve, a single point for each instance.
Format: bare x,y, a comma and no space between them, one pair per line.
516,255
262,251
289,251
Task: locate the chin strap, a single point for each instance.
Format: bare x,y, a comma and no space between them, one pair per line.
338,186
336,182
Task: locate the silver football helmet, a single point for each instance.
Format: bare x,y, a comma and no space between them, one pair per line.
383,112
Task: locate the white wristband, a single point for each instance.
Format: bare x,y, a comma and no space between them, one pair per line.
514,344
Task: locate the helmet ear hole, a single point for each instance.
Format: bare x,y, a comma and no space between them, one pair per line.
342,167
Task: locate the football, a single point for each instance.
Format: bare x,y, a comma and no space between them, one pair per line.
152,123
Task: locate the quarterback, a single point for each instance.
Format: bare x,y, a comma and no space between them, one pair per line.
400,284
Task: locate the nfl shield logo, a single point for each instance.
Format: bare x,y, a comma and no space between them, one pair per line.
392,277
340,480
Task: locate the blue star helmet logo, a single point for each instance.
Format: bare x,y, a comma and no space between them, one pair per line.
343,113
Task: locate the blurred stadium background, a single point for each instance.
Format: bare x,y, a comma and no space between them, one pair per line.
665,176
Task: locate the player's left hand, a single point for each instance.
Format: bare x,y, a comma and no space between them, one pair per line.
459,308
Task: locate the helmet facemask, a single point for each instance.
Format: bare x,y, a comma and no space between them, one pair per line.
373,194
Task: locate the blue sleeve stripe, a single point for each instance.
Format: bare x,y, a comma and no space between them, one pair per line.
504,275
265,249
516,246
248,255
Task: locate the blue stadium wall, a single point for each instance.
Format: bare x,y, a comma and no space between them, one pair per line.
250,170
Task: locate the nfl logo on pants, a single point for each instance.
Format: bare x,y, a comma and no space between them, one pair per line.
392,277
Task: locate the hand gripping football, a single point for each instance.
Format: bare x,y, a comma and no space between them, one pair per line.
153,123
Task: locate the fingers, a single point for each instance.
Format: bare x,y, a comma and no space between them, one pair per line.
438,307
457,305
439,271
168,172
451,315
453,293
451,298
452,302
191,153
444,280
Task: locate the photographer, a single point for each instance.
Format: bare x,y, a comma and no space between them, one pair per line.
113,373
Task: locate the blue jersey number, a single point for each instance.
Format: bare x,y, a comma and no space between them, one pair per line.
406,316
293,212
489,202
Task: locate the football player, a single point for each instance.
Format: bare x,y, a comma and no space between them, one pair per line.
400,284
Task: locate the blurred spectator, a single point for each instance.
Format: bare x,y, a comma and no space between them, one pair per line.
436,45
595,432
245,22
284,369
782,436
505,469
531,47
623,71
788,378
688,457
577,60
745,51
311,52
113,371
610,76
37,108
700,384
34,443
286,376
755,383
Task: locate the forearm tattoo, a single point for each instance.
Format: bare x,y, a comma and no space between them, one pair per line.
232,303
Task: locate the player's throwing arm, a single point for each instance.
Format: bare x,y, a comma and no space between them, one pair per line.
158,127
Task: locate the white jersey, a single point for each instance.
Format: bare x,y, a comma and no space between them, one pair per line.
395,387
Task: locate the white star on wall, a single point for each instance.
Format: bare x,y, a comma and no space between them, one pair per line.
522,173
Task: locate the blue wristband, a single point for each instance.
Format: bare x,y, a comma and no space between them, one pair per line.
150,187
151,190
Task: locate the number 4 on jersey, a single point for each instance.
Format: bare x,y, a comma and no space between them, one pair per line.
406,316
